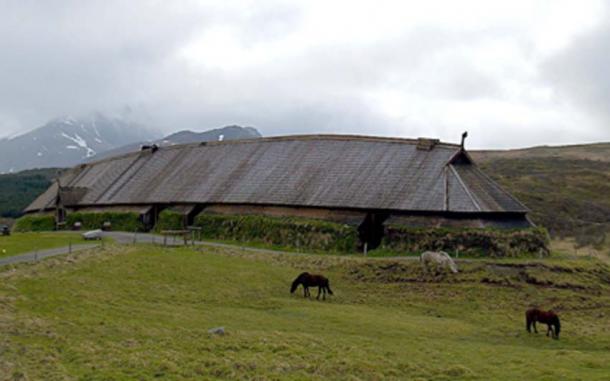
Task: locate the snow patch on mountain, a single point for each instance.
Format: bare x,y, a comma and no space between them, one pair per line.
80,142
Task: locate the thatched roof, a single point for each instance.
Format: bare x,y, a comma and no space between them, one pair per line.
332,171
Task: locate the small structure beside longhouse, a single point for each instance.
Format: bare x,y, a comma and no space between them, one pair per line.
310,191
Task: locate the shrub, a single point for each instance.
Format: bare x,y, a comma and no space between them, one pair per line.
293,232
170,220
124,221
472,242
35,223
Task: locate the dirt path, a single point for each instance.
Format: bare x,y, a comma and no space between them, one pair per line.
37,255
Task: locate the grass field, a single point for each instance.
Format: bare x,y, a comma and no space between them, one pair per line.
18,243
144,312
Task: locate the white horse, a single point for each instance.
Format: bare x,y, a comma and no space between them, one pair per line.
437,261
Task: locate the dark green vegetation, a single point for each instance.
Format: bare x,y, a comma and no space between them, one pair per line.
120,221
170,220
18,190
297,233
570,197
123,221
35,223
469,242
144,313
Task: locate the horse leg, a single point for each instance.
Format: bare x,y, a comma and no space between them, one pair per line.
305,291
549,329
535,329
319,291
323,292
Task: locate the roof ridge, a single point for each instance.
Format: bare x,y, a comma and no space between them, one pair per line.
281,138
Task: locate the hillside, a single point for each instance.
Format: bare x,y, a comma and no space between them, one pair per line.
567,188
593,152
18,190
142,312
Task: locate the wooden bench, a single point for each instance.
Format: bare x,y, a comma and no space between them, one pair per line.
195,230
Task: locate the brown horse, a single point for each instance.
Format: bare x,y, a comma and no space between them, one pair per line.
311,280
549,318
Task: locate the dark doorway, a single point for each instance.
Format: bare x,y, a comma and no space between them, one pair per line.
370,231
190,217
61,215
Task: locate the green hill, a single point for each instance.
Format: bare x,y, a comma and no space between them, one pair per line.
18,190
567,188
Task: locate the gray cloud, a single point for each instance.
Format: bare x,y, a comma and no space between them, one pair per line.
580,75
259,68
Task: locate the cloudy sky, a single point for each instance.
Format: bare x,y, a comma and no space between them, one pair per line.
513,73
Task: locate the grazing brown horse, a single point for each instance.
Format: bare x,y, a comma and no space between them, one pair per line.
549,318
311,280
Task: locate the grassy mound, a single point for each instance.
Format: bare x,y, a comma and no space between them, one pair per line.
289,232
170,220
123,221
35,223
471,242
144,313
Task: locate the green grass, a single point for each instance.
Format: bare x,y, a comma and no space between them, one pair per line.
18,243
143,313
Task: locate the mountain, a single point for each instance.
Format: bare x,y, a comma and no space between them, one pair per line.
67,141
18,190
184,137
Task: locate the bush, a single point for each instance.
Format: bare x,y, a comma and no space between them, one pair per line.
35,223
123,221
292,232
472,242
170,220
